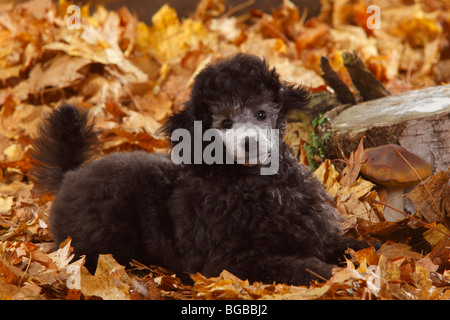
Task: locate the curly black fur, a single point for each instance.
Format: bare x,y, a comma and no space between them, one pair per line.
65,140
193,218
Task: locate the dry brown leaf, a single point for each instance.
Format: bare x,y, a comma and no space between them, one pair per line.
427,207
127,37
63,256
355,212
229,287
122,140
110,281
395,251
285,22
351,171
60,72
314,33
353,200
115,110
157,106
441,254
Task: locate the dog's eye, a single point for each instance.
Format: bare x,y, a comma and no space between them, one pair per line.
260,115
227,124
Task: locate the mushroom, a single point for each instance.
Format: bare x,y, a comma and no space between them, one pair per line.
383,166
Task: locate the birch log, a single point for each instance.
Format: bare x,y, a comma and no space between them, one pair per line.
418,120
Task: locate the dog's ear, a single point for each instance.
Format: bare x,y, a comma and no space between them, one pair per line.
293,98
180,120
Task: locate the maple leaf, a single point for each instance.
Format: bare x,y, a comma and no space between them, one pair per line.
352,193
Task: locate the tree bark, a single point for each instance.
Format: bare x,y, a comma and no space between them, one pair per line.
334,81
368,85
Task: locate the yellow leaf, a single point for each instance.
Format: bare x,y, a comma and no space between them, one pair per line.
280,46
419,30
361,187
14,152
165,18
328,175
168,39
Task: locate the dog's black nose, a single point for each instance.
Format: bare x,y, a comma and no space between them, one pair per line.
250,142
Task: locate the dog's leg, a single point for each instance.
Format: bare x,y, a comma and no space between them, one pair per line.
281,269
293,270
341,244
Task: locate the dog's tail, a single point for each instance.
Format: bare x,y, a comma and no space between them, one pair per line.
65,139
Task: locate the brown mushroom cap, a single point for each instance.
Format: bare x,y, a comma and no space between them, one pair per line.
384,166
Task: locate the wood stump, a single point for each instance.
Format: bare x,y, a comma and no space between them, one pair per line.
418,120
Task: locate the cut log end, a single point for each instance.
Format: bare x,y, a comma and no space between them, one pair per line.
417,120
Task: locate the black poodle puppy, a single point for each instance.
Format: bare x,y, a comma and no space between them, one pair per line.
243,203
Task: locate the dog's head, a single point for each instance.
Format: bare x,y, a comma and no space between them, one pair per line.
242,100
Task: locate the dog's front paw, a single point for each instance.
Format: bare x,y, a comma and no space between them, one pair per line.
322,273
